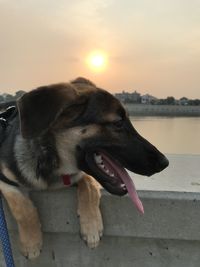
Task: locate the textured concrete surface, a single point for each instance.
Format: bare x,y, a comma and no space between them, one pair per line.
168,235
167,214
66,250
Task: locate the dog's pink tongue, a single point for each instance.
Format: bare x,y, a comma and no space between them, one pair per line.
130,188
122,173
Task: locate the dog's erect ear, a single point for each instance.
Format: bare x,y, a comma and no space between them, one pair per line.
83,81
39,109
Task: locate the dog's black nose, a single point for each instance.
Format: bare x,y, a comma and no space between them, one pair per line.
163,163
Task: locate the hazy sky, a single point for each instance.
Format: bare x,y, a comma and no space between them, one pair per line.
152,46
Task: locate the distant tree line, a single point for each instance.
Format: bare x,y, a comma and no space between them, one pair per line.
170,100
136,98
5,97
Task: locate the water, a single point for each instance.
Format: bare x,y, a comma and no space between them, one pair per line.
170,135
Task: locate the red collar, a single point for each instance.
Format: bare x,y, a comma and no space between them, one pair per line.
66,179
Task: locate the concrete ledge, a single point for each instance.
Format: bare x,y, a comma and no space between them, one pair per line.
169,215
167,235
63,250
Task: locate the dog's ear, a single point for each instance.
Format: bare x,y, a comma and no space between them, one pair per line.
39,109
83,81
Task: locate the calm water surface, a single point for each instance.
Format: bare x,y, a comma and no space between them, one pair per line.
170,135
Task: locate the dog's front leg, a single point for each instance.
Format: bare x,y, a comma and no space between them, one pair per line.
91,225
27,219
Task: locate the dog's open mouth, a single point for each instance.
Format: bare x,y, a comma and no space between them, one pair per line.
112,176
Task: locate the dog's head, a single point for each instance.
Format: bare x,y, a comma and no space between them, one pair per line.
91,125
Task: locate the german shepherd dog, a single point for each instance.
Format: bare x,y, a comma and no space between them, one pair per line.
64,134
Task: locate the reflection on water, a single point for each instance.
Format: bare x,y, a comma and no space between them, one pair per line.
170,135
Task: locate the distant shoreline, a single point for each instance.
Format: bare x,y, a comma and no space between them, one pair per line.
162,110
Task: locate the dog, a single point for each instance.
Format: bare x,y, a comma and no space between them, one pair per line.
65,134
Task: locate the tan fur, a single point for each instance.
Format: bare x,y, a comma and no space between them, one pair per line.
66,146
111,117
27,219
91,224
8,173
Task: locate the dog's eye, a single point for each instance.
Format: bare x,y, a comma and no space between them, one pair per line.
118,124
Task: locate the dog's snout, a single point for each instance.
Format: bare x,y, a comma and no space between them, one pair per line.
163,163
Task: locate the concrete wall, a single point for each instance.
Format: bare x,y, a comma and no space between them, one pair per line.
168,235
162,110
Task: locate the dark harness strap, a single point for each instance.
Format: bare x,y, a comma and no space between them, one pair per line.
4,120
4,179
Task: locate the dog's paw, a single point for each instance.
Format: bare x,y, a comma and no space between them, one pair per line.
31,250
91,228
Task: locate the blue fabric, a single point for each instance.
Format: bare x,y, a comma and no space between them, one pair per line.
5,241
4,237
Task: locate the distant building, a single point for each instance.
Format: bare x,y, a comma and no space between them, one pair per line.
148,99
183,101
135,97
126,97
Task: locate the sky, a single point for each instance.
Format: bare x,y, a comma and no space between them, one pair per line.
151,46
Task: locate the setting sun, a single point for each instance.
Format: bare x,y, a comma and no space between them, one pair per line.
97,61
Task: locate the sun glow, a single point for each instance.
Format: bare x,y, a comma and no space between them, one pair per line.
97,61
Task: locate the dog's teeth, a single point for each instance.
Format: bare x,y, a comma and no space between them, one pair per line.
123,186
107,171
102,166
98,159
112,175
